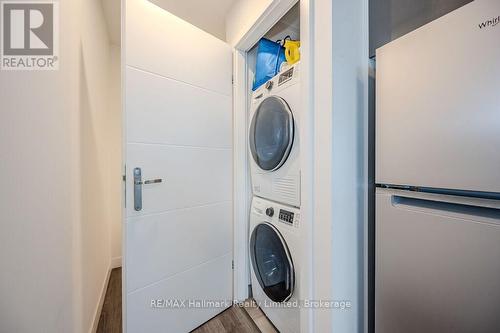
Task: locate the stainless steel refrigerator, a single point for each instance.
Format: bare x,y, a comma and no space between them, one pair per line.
437,232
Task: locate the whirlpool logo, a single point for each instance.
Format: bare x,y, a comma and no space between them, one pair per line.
490,23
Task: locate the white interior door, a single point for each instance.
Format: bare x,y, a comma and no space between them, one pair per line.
177,232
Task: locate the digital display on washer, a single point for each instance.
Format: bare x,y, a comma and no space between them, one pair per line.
285,76
286,216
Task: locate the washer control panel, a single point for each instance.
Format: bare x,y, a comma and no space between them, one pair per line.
286,216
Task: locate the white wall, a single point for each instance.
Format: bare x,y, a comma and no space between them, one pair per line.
54,206
350,173
39,194
337,126
340,188
95,225
115,164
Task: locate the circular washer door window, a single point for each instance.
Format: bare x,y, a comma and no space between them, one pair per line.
271,133
272,263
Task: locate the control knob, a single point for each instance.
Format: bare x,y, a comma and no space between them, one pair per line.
270,212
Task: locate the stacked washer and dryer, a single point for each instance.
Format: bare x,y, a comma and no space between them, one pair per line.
275,211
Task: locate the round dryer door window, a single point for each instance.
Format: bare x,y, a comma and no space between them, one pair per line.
271,133
272,263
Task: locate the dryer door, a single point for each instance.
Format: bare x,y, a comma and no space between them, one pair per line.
272,263
271,133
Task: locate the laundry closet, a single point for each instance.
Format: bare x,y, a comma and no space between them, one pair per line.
274,112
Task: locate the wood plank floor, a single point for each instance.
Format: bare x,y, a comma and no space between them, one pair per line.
236,319
110,320
258,317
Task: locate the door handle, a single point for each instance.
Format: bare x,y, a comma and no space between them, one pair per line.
147,182
138,182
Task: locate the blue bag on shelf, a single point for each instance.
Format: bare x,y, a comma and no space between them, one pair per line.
270,56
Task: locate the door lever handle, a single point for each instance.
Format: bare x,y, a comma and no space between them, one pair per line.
147,182
138,182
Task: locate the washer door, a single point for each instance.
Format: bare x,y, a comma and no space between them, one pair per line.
272,263
271,133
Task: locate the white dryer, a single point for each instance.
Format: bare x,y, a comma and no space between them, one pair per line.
274,256
274,138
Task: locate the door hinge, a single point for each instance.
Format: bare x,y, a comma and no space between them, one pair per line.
232,79
232,264
124,177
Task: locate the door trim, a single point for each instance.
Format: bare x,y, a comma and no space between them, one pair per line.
242,187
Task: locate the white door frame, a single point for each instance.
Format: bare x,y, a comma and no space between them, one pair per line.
242,189
334,167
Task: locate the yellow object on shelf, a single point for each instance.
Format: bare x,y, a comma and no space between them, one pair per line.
292,51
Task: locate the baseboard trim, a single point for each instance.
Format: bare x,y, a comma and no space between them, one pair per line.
116,262
97,314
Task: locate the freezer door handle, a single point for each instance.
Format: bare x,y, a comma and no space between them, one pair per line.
398,196
446,207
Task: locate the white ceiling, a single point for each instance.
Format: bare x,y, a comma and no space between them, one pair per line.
112,13
205,14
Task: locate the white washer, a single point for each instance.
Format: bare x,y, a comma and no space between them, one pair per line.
274,138
274,257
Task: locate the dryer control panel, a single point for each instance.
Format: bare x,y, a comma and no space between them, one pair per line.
286,76
286,216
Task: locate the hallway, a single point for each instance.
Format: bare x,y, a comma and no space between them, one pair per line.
246,319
